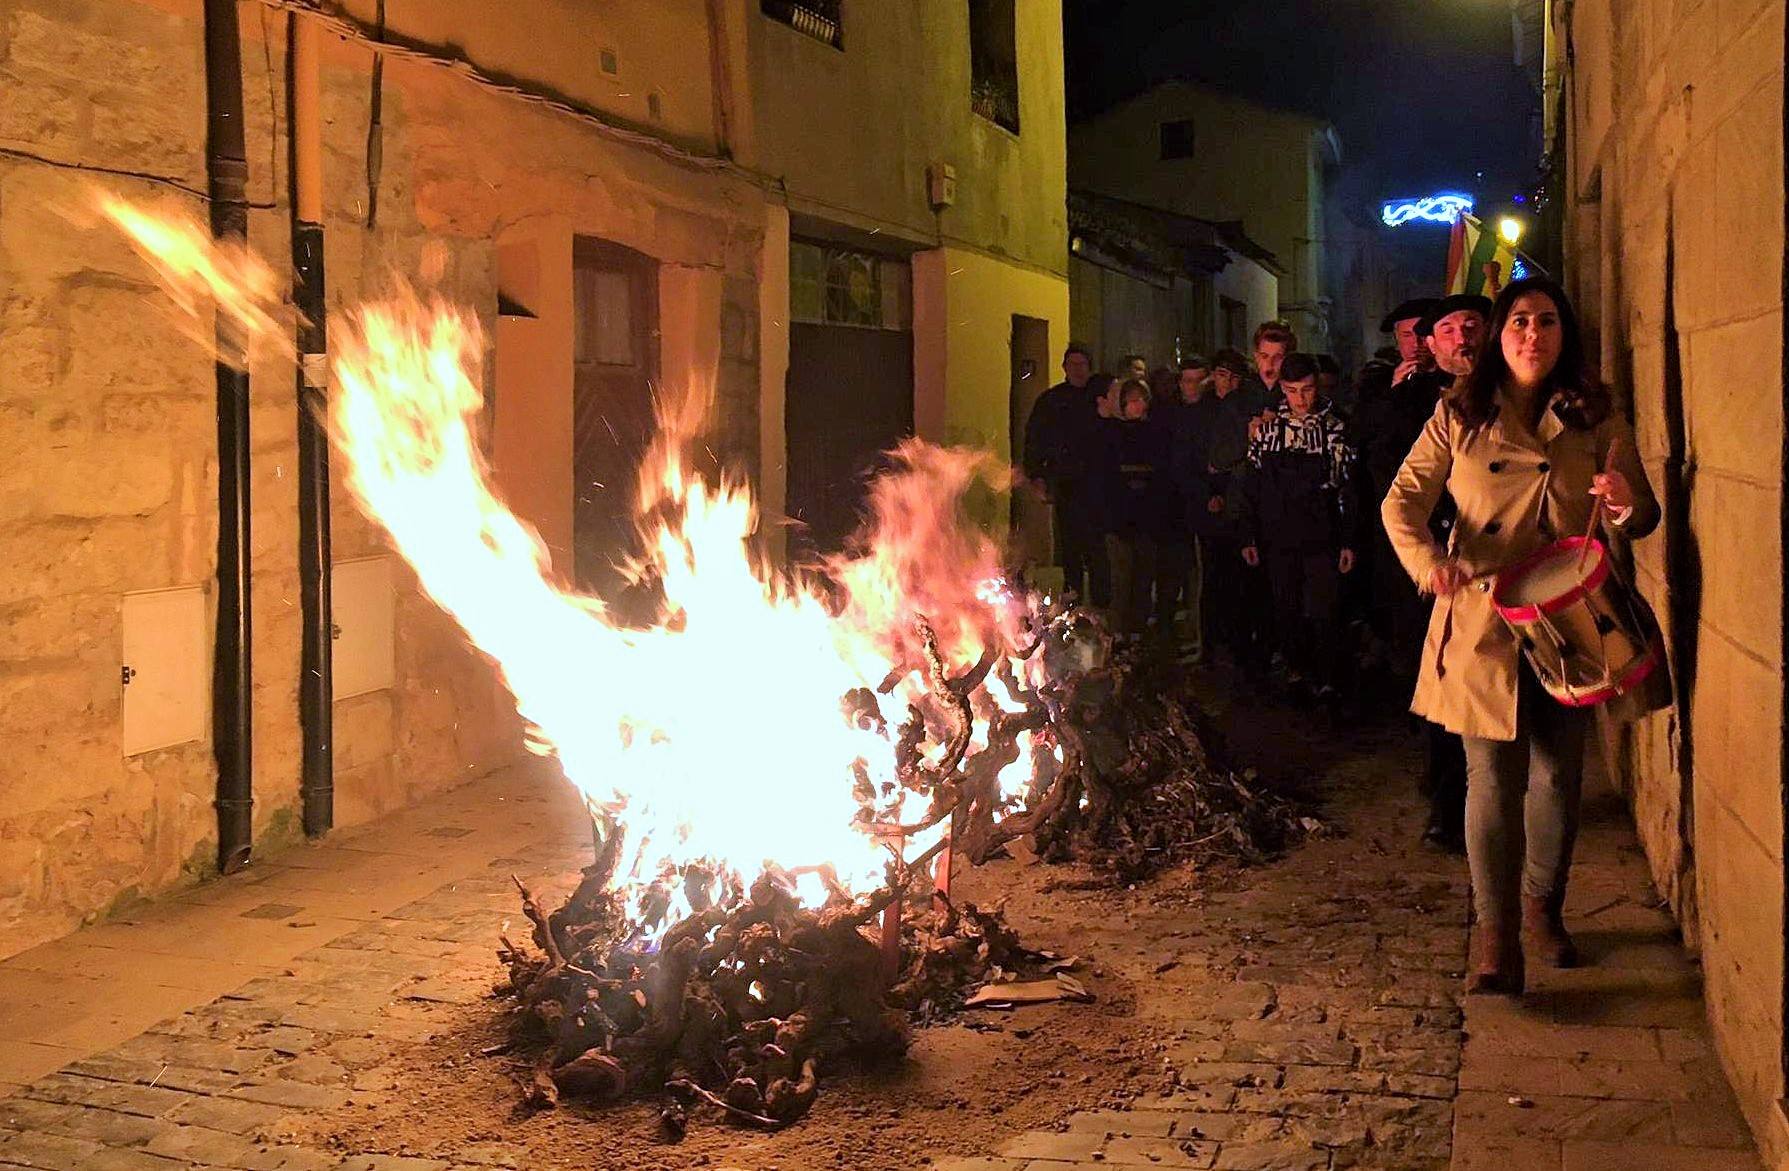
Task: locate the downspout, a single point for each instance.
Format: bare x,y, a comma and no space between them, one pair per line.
375,131
226,166
316,712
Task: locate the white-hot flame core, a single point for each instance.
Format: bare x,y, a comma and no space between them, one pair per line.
714,738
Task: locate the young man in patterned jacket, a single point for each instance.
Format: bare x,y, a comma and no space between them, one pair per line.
1300,521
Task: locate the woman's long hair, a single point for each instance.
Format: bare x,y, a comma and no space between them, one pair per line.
1585,400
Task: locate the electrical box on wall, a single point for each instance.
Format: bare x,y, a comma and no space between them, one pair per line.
166,672
364,605
941,185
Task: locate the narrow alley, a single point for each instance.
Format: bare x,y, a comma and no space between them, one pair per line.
877,585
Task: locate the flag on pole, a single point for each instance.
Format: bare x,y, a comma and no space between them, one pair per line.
1470,247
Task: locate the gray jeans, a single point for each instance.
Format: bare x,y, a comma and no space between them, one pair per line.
1522,799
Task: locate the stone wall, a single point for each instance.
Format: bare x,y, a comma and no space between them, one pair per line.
1674,209
108,466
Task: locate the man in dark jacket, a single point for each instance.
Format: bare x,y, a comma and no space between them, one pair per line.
1453,329
1394,403
1139,510
1059,448
1186,487
1234,609
1301,521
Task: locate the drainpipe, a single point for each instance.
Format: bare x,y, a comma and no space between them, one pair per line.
316,712
226,166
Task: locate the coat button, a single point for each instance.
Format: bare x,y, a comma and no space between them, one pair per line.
1545,467
1493,527
1497,465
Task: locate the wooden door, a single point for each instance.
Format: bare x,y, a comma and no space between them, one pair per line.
615,307
850,400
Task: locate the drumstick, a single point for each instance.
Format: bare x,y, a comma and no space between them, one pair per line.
1596,510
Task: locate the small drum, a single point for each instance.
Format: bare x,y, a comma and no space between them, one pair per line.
1578,625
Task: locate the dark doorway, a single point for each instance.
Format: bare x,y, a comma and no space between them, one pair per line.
1236,322
1031,370
850,389
615,313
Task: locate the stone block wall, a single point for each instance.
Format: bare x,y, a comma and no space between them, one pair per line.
108,466
1675,251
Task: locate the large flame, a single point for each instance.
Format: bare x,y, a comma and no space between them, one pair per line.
713,738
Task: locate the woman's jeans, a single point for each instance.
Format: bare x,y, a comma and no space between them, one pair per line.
1522,800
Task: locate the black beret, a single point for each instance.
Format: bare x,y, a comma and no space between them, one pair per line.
1454,304
1235,363
1416,307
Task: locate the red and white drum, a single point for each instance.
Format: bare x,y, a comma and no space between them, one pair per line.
1577,623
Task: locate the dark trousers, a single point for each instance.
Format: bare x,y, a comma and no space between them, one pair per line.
1177,586
1234,601
1444,780
1140,587
1080,546
1307,595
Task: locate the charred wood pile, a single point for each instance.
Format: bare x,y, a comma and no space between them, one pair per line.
739,1005
742,997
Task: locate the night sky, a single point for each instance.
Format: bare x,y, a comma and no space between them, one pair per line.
1424,93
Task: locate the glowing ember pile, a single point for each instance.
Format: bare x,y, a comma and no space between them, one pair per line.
774,757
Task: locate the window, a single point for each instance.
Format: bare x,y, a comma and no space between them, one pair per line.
994,62
1177,139
605,329
819,19
836,286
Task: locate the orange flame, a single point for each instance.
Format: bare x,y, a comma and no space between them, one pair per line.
713,737
196,269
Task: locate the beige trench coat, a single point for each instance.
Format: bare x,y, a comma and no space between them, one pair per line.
1516,491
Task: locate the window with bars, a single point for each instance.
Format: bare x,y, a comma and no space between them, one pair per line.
829,285
819,19
994,62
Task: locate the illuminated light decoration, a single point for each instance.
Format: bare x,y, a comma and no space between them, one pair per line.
1519,271
1436,209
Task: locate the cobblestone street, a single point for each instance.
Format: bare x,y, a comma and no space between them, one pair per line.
1303,1015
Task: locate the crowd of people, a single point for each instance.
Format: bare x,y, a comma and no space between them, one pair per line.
1308,528
1225,508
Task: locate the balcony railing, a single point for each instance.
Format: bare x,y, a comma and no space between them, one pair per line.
815,18
996,99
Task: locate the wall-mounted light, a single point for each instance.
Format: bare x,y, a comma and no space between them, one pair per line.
1442,208
1511,228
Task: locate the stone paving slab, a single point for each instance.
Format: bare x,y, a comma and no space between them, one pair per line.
1318,1023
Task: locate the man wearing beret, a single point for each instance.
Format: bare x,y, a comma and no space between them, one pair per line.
1453,328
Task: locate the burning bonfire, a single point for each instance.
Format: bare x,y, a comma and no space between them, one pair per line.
775,762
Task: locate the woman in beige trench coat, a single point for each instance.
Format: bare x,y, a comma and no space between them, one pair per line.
1520,444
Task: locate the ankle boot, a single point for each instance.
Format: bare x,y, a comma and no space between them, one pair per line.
1496,966
1544,935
